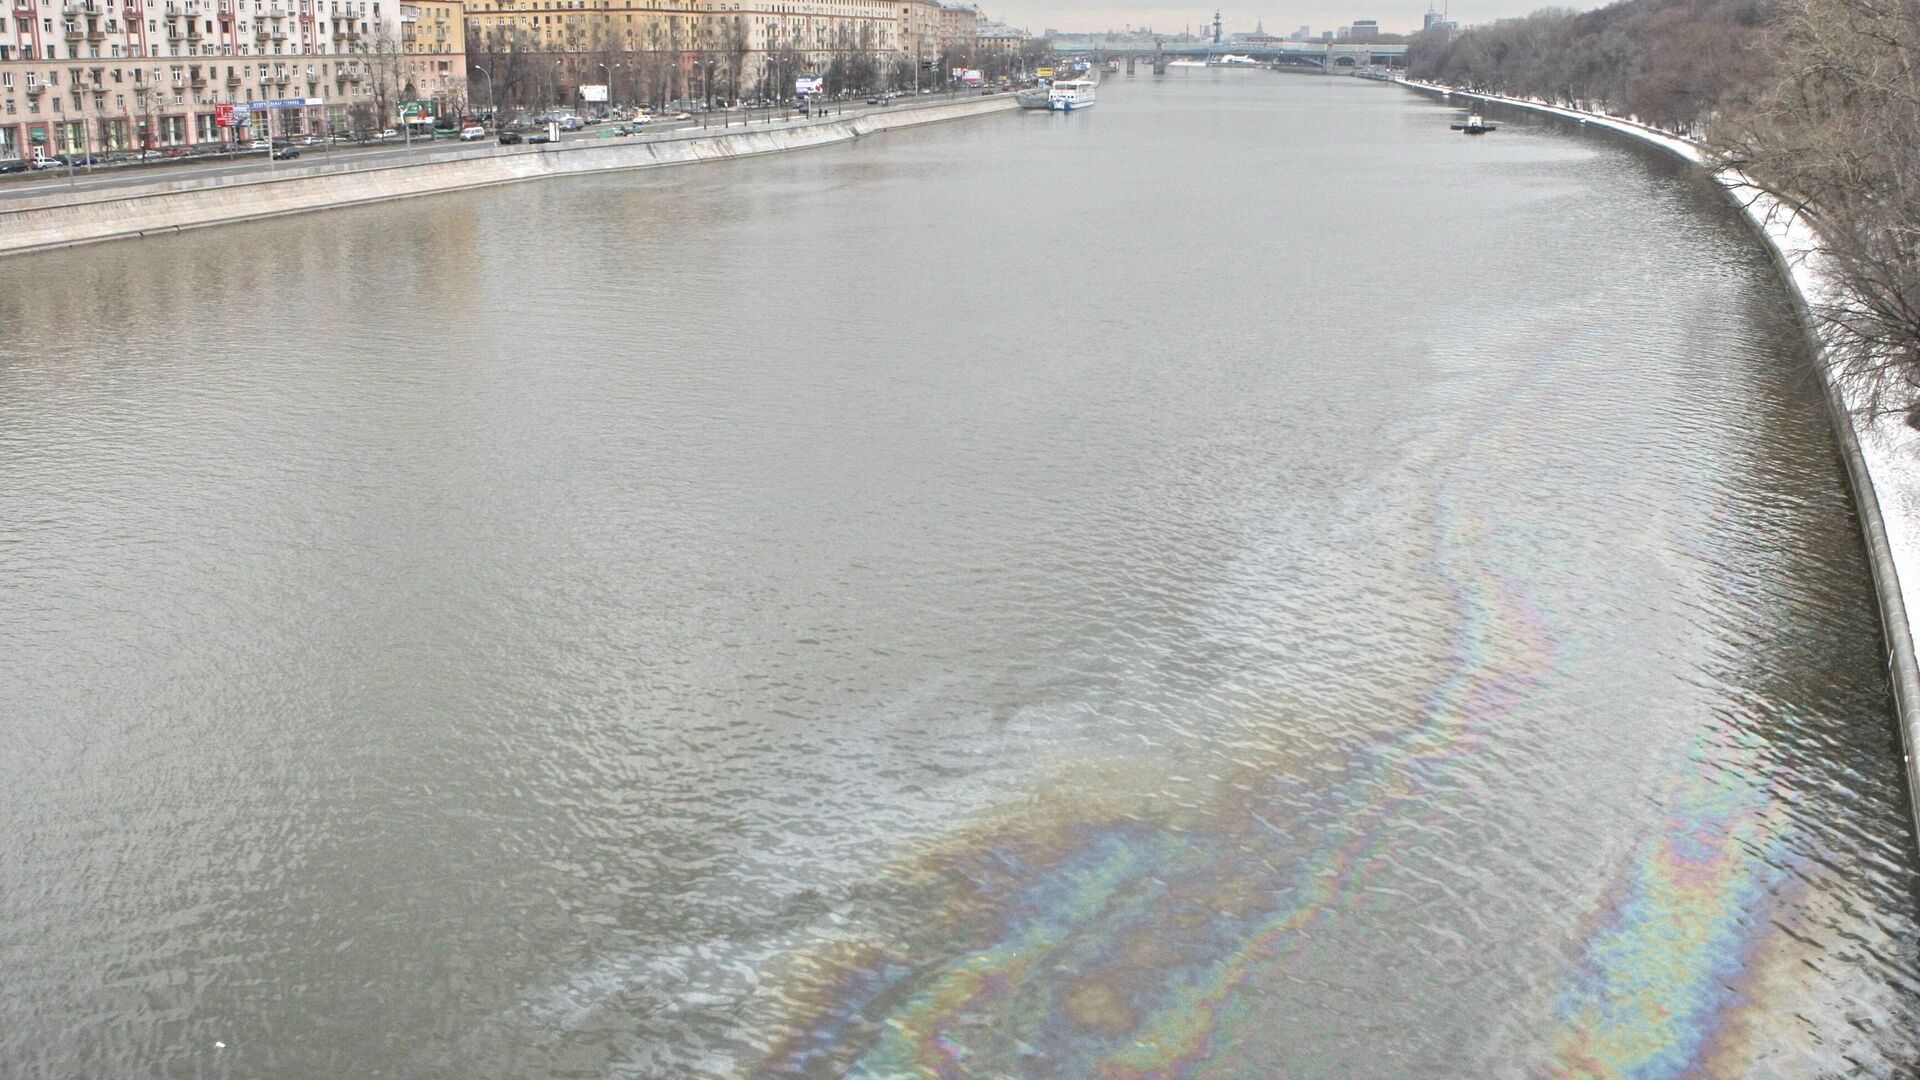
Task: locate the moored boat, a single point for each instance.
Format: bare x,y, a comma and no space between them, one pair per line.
1070,94
1474,124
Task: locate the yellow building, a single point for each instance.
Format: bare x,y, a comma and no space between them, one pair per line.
539,52
433,50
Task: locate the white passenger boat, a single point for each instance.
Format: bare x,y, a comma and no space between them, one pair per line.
1070,94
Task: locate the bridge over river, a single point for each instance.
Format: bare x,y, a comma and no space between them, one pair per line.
1324,55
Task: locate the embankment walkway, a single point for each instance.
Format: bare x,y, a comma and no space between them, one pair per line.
66,218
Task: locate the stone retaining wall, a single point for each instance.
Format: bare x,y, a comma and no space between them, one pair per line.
63,219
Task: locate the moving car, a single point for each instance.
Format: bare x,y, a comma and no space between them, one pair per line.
13,165
470,134
539,137
259,144
510,138
389,134
285,152
571,123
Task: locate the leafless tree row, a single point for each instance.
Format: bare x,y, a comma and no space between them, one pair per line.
1817,100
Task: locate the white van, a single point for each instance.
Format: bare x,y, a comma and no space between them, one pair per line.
472,133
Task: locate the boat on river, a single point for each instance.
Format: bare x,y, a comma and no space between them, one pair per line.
1070,94
1032,97
1474,124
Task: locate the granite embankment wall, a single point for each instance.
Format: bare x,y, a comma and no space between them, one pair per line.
61,219
1881,451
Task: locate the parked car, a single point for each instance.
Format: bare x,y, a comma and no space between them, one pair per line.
76,160
640,120
312,140
389,134
284,153
539,137
510,138
14,165
47,163
471,134
259,144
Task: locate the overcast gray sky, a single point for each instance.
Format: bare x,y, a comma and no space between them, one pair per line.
1279,16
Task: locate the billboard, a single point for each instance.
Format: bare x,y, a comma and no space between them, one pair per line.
972,77
594,95
809,84
223,115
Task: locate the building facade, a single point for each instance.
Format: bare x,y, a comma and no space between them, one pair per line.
107,76
526,53
433,52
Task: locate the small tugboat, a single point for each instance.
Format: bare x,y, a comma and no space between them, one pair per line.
1474,124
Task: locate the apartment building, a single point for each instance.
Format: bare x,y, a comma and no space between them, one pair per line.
123,75
541,50
433,50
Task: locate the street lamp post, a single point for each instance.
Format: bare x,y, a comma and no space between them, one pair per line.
482,68
609,71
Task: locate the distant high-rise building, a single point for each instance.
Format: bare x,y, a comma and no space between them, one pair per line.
1305,33
1364,29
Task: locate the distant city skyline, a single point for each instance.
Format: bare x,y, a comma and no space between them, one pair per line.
1394,16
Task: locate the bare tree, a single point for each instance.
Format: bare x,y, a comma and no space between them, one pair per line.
384,73
1836,134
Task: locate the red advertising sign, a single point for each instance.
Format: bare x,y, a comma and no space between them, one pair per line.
223,115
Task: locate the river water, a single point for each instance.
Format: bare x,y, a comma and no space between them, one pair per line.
1238,582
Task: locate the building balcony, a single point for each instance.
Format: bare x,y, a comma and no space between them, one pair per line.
74,33
36,89
262,34
279,34
233,80
96,34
